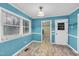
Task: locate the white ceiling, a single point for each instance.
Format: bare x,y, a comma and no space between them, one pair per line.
50,9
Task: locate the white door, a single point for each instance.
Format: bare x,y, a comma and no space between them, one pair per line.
61,31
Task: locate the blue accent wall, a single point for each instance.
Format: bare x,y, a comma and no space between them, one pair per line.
36,37
36,26
72,23
72,42
10,47
53,37
73,29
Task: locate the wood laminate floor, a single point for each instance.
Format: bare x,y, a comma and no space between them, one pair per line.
47,49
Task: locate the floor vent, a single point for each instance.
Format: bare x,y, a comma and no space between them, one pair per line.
26,49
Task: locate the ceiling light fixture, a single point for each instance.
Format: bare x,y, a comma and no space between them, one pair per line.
40,12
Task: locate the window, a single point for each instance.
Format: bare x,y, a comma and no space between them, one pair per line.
11,30
13,26
10,19
25,26
61,26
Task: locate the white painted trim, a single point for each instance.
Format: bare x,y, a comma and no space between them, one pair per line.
21,49
72,35
30,28
69,47
9,39
73,49
36,41
25,47
68,35
21,17
53,31
40,42
14,38
41,31
78,32
14,14
59,44
50,29
36,33
73,11
1,31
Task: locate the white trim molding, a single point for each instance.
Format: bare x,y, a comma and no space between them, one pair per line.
73,49
1,27
14,38
36,33
73,11
53,31
36,41
14,13
15,54
72,35
78,32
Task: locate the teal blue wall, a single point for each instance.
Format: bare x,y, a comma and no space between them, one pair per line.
11,47
36,26
73,29
53,37
72,42
36,37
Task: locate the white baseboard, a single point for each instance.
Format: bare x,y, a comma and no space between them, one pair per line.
58,44
21,49
70,48
73,49
40,42
25,47
37,41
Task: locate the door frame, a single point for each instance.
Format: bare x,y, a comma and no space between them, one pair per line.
50,29
56,27
77,32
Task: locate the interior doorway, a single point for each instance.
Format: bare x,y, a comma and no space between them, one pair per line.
46,30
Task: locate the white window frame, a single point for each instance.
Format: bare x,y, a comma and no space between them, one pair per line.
21,28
